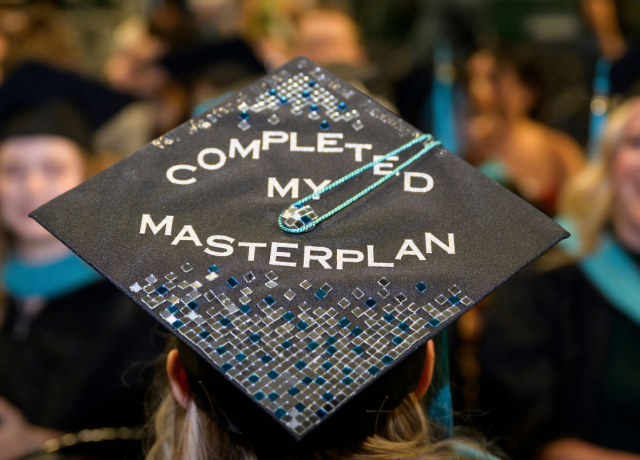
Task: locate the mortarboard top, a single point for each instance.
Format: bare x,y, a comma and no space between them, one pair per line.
37,98
300,327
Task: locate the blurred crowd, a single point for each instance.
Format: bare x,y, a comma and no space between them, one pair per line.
549,365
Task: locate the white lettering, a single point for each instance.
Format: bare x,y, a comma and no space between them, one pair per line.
228,249
294,147
378,169
358,149
315,187
410,175
409,248
273,137
252,249
254,146
175,168
167,223
275,185
449,249
326,139
342,257
222,159
273,259
371,261
187,234
320,258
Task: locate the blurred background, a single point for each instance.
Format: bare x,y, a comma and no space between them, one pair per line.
522,89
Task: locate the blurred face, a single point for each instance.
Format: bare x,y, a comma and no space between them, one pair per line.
626,173
515,97
34,170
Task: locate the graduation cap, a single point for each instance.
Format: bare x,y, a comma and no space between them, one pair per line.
37,98
304,244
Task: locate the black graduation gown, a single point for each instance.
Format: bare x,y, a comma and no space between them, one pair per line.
85,362
554,356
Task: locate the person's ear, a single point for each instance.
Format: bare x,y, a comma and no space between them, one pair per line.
427,371
178,379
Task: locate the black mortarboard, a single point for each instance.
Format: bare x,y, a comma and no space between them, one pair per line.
39,99
300,335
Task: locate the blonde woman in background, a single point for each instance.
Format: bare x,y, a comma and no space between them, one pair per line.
563,372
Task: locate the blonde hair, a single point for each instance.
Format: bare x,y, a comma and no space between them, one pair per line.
589,197
191,434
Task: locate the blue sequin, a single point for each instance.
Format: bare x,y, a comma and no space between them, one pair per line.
311,83
273,396
270,300
321,414
280,412
288,316
300,365
266,358
347,380
454,299
421,287
221,350
226,367
342,106
313,108
305,219
356,331
213,269
403,326
370,302
300,407
204,334
243,115
324,125
347,370
232,282
358,350
245,308
434,322
373,370
224,322
344,322
397,340
387,359
273,375
293,391
259,395
177,324
255,338
162,290
283,100
302,325
240,357
286,344
193,305
332,350
312,346
327,365
307,380
320,294
273,92
254,378
389,317
327,396
305,93
173,308
331,340
320,381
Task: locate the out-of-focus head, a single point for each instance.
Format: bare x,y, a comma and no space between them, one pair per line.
328,37
519,85
482,75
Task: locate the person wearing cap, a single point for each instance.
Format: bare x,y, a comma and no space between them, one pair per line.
561,351
67,336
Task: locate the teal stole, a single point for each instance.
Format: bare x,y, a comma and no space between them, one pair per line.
49,280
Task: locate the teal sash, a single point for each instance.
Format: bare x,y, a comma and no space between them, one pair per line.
616,275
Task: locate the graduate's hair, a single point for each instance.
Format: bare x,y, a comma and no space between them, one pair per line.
588,199
178,433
